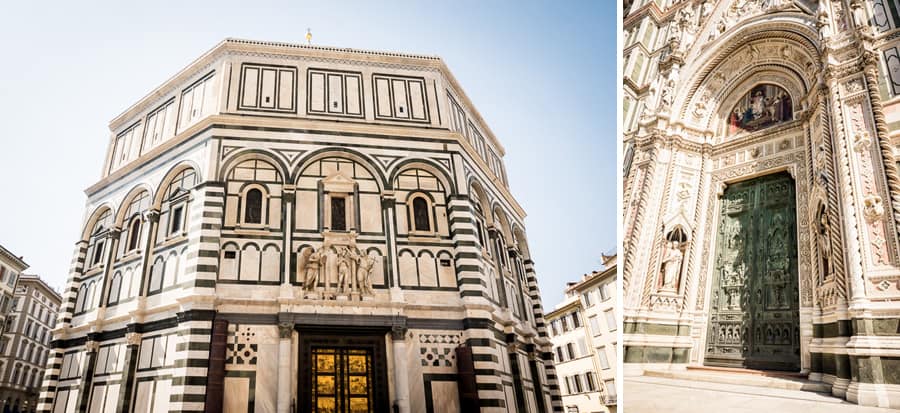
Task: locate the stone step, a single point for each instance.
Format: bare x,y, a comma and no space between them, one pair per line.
743,378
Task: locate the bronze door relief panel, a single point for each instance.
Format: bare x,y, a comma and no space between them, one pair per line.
342,374
754,314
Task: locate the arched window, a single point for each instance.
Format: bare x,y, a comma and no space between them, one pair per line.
420,214
253,207
114,288
134,234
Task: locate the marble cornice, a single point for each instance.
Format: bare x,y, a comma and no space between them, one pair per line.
207,126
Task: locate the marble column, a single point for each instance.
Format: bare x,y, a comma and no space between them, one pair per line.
87,378
285,331
133,344
401,375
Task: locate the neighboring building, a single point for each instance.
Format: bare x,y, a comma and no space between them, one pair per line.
583,329
23,359
282,226
11,267
761,192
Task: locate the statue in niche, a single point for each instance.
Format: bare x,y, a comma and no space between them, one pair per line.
365,265
346,266
823,241
343,275
311,268
671,267
331,267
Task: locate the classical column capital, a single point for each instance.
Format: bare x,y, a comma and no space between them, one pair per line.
285,330
398,332
152,215
92,345
387,199
114,233
133,339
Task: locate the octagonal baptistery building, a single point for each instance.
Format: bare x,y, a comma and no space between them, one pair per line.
762,193
284,227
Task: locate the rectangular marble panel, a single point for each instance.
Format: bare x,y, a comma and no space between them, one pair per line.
142,397
286,90
370,212
161,396
266,379
237,395
267,91
97,398
383,93
112,398
316,92
445,396
59,405
251,84
417,99
335,94
401,107
353,86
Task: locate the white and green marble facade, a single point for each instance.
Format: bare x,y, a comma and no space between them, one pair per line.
301,125
686,65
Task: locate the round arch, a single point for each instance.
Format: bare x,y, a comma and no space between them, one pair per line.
167,179
92,220
784,44
250,154
132,194
368,163
427,165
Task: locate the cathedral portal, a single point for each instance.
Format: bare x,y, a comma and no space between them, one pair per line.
754,312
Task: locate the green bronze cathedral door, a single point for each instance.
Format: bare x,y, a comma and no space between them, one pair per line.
754,308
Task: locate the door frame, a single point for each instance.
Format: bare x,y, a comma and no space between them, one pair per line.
714,274
370,339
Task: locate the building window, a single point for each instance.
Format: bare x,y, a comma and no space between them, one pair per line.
604,291
587,299
611,320
98,253
601,354
338,214
595,326
570,348
577,380
253,207
420,214
134,234
590,381
559,354
576,320
177,214
610,389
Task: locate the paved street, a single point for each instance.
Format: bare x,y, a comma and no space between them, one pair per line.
654,394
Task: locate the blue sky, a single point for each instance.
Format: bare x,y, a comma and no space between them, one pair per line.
542,74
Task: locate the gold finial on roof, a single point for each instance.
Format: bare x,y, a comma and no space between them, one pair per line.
308,36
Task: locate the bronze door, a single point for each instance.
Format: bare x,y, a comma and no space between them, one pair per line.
754,308
342,380
342,374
